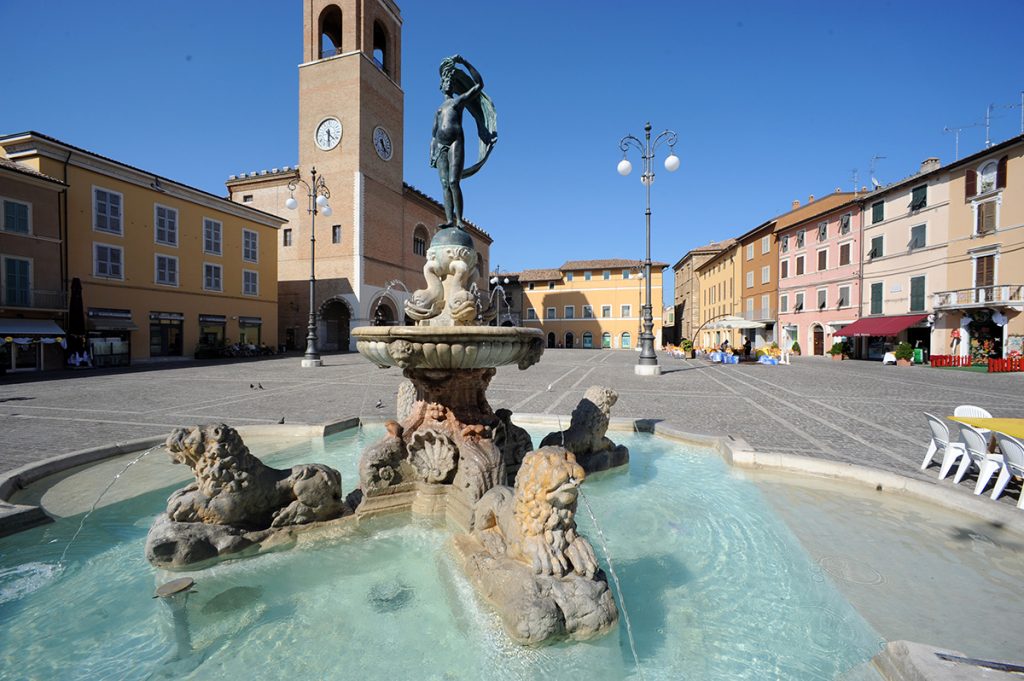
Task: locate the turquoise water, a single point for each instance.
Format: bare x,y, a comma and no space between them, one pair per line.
716,585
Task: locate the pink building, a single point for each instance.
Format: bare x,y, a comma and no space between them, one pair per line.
819,287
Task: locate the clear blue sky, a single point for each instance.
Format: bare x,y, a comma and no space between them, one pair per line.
772,101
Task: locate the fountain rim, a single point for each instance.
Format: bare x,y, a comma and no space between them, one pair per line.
447,334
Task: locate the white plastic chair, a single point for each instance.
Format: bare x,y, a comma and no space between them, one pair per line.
1013,464
951,451
971,410
976,445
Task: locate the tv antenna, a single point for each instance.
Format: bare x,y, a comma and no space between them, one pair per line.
871,170
854,178
956,132
988,118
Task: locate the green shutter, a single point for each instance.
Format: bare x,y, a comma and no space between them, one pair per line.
917,294
876,298
878,212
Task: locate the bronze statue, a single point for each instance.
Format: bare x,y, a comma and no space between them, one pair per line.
447,144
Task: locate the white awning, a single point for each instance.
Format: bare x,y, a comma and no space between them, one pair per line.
30,327
734,323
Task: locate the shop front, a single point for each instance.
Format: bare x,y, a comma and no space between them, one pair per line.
109,336
875,336
166,334
249,330
31,345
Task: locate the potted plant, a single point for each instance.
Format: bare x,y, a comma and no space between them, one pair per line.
687,347
904,354
837,351
796,348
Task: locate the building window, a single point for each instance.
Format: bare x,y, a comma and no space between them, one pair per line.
750,308
212,231
822,298
877,212
606,340
750,251
625,274
587,276
917,294
784,269
987,177
801,236
984,271
766,244
986,217
750,280
798,302
588,340
844,254
919,197
531,313
419,241
844,223
531,286
917,236
250,245
822,260
765,305
784,303
107,261
568,276
626,311
627,341
246,198
877,247
784,247
551,286
166,222
17,282
166,270
570,312
588,312
336,237
106,210
250,283
286,236
212,277
844,297
876,298
165,334
766,274
550,313
606,275
16,217
799,265
822,231
606,311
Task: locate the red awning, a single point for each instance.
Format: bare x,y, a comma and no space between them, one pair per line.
880,326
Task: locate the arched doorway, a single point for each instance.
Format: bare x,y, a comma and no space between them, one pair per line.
606,340
382,312
627,341
819,339
570,339
551,339
588,340
335,315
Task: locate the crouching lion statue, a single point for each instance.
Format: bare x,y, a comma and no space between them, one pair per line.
236,500
526,557
585,436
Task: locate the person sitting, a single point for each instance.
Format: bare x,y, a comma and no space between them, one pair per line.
724,346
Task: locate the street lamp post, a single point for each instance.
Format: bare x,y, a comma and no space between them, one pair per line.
317,195
647,365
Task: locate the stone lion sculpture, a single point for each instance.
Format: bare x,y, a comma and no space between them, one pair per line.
585,437
525,556
233,487
536,521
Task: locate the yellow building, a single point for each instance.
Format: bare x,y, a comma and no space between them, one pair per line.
592,303
721,286
163,266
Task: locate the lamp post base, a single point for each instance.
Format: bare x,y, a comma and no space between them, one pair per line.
647,369
312,362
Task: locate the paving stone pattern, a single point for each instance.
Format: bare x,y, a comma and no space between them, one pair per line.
860,412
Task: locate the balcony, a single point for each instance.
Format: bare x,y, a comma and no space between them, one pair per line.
760,314
980,296
33,299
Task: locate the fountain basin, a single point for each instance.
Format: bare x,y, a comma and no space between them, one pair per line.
449,347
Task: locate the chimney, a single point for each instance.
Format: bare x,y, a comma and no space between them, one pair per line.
796,204
810,199
930,164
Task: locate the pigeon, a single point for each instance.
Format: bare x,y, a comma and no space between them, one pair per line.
252,387
550,386
282,420
379,405
260,386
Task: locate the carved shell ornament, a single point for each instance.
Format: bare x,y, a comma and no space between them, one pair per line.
432,455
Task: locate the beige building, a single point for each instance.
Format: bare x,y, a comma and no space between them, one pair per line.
164,268
371,250
687,296
721,282
983,294
32,298
592,303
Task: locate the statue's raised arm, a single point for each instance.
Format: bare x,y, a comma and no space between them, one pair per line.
462,90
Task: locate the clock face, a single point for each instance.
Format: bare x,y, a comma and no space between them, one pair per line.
328,133
382,143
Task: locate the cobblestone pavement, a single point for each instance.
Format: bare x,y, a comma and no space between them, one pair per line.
860,412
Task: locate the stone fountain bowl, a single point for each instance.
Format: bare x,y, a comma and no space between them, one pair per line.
449,347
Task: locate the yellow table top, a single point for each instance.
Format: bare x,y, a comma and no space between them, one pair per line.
1013,427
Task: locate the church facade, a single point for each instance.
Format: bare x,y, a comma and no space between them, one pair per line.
370,251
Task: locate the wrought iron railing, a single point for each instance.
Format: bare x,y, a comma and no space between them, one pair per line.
759,314
980,296
33,299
